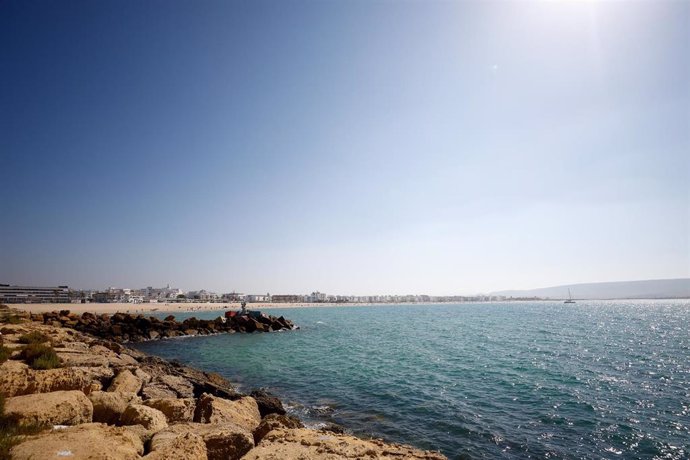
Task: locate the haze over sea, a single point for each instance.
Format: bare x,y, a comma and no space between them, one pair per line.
598,379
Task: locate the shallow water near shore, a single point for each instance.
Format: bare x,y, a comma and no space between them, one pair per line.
490,380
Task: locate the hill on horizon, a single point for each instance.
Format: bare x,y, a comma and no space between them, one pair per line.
644,289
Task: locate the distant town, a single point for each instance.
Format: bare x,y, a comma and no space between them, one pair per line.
167,294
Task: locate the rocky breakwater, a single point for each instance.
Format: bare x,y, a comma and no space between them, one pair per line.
67,394
123,327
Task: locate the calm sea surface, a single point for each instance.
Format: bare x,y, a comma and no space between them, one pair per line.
490,380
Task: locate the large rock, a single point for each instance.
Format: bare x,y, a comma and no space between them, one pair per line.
138,372
92,440
155,391
148,417
168,386
243,412
170,380
175,409
126,382
153,335
79,358
141,432
17,379
96,355
126,360
56,408
313,445
114,346
188,446
108,406
102,350
274,422
180,385
268,403
223,441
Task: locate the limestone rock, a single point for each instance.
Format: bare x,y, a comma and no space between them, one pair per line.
110,345
141,432
10,330
91,440
125,382
70,358
14,378
155,391
188,446
273,422
95,355
108,406
74,347
144,376
127,360
168,386
176,380
243,412
223,441
179,385
103,351
17,379
148,417
56,408
303,443
11,333
175,409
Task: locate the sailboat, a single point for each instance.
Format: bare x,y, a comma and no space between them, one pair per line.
570,297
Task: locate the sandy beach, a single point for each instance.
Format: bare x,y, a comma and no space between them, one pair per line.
147,308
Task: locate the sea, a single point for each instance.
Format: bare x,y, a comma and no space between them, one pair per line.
591,380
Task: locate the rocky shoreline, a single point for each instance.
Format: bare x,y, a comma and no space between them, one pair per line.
100,399
124,327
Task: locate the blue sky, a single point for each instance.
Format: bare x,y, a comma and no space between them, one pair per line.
348,147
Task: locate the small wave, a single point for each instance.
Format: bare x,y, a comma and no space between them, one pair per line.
315,425
322,410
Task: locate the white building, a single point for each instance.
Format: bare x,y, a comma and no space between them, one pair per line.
203,295
258,297
317,297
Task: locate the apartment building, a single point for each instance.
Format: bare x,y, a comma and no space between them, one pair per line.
33,294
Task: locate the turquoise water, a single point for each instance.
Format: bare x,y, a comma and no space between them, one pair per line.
489,380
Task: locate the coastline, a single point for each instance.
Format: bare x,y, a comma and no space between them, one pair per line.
106,399
111,308
190,307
